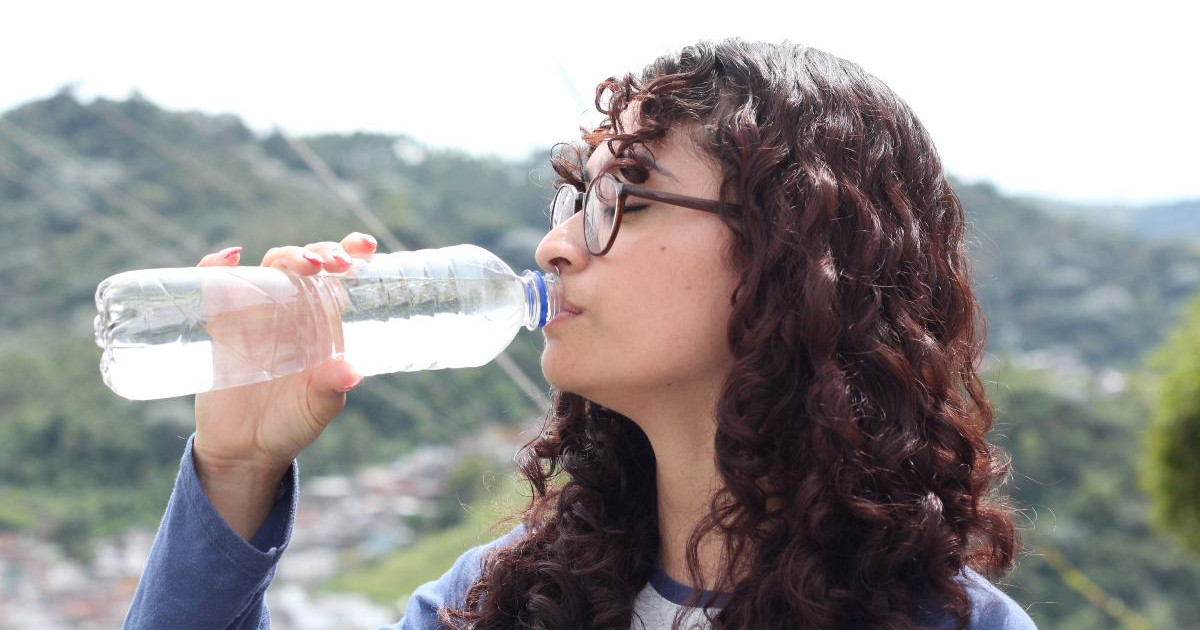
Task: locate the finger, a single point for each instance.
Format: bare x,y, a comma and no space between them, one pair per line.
359,244
336,258
328,386
226,257
295,260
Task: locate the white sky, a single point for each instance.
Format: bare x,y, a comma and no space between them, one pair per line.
1080,101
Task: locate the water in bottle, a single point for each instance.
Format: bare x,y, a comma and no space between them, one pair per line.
171,332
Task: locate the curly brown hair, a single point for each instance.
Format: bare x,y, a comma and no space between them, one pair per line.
850,435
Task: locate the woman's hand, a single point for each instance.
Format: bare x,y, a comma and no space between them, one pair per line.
247,437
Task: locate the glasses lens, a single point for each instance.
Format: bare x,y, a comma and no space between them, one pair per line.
599,213
563,206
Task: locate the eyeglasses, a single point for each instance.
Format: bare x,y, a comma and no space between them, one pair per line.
603,205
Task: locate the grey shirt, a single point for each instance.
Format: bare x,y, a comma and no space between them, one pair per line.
662,598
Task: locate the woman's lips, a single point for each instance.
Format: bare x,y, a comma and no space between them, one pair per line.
568,311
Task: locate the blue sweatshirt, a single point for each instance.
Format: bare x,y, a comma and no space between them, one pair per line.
202,575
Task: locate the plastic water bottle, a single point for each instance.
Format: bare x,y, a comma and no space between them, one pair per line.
171,332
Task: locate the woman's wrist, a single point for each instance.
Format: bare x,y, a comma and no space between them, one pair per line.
242,493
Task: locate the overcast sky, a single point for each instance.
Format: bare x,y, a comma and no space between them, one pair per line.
1062,99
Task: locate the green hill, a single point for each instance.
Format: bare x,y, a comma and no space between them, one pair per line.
1071,286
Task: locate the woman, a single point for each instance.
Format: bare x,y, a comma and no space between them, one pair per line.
766,412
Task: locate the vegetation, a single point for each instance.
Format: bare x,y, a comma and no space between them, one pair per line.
481,514
1071,289
90,189
1171,470
1074,457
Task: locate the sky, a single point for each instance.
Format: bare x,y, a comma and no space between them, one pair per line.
1087,102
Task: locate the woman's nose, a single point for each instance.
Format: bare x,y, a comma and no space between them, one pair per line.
562,247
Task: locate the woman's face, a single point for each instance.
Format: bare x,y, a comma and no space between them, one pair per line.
653,310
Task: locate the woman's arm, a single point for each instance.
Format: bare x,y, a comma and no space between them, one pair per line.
203,574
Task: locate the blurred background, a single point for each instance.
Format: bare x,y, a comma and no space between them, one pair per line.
144,135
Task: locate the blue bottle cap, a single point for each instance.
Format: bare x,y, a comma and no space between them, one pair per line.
543,306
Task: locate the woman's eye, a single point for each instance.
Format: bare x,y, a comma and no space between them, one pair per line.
629,207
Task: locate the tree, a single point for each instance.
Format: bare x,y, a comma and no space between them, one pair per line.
1170,466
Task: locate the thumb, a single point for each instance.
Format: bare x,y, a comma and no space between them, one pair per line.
328,386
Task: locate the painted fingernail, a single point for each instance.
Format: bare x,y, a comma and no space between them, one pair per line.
229,252
351,385
314,258
340,256
370,241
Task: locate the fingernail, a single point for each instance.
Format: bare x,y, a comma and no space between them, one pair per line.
313,258
351,385
370,241
340,256
229,252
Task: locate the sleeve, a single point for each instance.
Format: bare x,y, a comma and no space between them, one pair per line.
451,589
200,573
991,608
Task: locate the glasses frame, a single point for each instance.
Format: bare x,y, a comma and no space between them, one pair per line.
625,190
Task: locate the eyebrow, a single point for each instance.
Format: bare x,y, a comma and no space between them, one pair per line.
644,158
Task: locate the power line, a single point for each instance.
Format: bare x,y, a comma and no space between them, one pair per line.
244,198
121,236
119,121
1079,582
568,83
138,211
372,222
341,191
148,216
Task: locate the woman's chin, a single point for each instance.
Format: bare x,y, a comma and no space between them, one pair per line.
557,368
563,382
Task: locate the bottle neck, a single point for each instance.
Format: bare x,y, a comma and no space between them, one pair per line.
543,298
